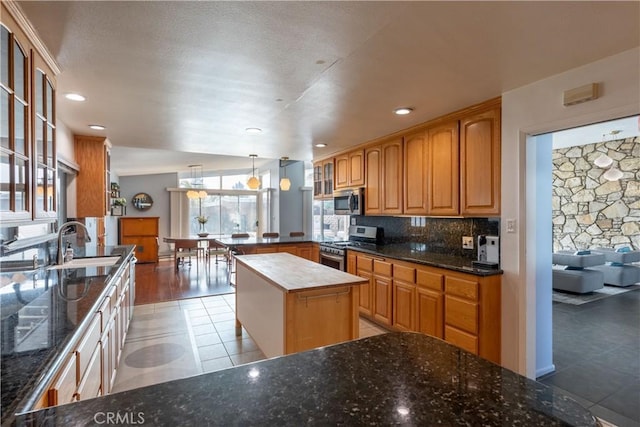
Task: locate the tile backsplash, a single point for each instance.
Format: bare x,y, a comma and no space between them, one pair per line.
441,235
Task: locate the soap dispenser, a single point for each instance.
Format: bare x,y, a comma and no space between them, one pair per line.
68,253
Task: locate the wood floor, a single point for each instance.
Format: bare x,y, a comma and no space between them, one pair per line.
159,282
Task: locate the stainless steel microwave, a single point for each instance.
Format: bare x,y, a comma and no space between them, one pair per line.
349,202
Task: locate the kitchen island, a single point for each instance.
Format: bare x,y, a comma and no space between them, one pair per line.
289,304
396,378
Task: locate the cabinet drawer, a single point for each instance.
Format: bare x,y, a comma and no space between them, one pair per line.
461,287
382,268
406,274
64,388
461,314
88,344
364,263
138,227
461,339
113,297
90,384
430,280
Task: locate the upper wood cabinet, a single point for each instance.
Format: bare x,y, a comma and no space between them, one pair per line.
415,173
442,169
28,161
383,171
349,170
323,179
480,164
92,186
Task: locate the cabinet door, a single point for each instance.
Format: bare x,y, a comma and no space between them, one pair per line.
105,362
341,172
415,173
382,295
356,168
392,177
139,227
91,152
404,299
351,263
64,388
480,164
305,252
317,180
443,170
366,293
430,312
327,178
146,247
373,194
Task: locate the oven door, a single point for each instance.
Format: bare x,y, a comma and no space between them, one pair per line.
332,260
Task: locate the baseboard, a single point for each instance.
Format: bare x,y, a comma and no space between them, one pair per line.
546,370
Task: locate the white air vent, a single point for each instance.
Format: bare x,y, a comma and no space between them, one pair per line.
580,94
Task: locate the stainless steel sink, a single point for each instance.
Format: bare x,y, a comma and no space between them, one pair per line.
106,261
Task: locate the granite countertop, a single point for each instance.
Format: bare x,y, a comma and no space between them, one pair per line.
41,311
395,378
248,241
292,273
420,253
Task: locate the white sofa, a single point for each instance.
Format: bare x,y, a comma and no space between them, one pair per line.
617,270
575,277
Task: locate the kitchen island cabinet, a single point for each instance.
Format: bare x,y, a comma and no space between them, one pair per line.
400,378
289,304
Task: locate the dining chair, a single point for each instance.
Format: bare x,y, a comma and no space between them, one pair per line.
215,249
186,248
296,234
270,235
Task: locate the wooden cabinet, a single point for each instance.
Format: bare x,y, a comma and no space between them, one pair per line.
404,297
349,170
323,179
28,175
384,183
415,173
461,308
92,186
480,163
442,169
430,302
142,232
310,251
90,369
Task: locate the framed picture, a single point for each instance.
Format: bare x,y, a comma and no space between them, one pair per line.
118,210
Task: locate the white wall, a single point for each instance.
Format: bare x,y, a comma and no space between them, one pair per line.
534,109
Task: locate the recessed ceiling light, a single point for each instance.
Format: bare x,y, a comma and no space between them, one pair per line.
97,127
253,130
75,97
321,145
403,111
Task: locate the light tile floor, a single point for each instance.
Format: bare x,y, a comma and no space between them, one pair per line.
178,339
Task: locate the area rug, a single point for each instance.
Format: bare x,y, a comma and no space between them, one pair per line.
579,299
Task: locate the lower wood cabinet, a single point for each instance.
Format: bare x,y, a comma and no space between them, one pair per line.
142,232
461,308
303,250
90,369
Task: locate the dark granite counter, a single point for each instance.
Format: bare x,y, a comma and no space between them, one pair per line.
252,241
396,378
41,311
420,254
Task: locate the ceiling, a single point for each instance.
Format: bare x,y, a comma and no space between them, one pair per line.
185,79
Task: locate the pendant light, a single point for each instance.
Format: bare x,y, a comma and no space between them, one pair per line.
604,161
253,182
285,183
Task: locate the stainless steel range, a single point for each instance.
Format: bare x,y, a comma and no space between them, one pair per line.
334,254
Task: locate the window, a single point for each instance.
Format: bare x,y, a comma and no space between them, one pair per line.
225,213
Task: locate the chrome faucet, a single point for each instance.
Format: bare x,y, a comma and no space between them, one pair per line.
61,229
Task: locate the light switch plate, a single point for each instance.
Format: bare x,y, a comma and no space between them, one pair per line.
353,221
467,242
511,226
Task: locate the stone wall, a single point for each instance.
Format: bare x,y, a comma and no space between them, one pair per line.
588,210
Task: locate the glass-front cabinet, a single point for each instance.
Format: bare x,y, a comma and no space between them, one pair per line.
27,129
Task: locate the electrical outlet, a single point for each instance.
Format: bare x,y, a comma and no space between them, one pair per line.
353,221
467,242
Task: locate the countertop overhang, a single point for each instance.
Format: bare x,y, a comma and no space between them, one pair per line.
395,378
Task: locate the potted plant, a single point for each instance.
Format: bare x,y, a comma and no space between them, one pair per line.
118,206
202,220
